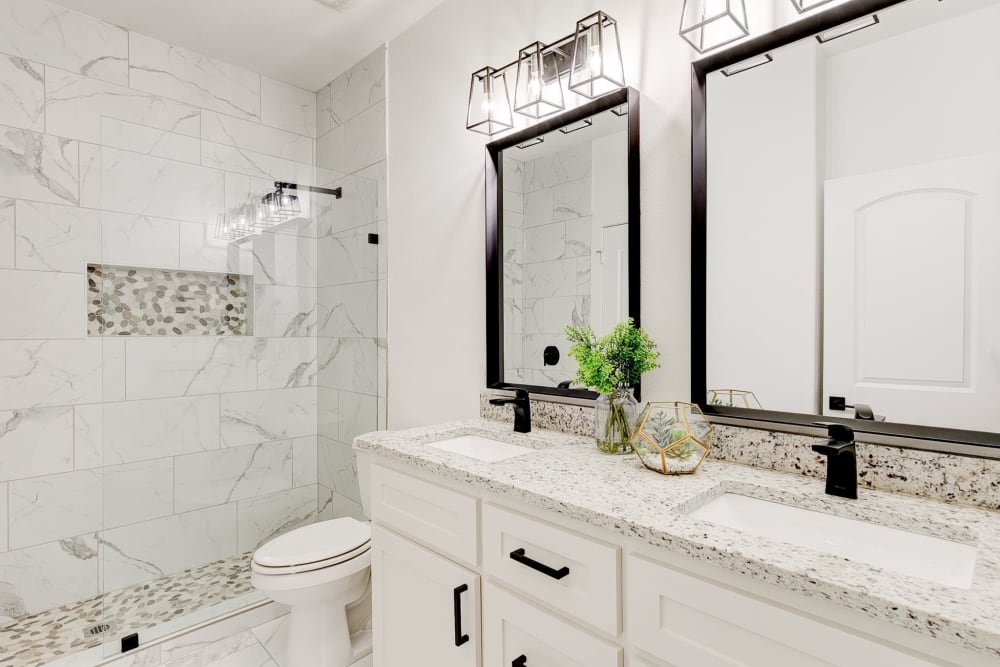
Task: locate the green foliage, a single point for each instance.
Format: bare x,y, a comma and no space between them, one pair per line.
667,430
613,362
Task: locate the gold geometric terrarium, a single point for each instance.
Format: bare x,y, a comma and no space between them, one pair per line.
734,398
673,438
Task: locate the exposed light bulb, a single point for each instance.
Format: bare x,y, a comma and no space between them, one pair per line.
594,62
486,106
535,87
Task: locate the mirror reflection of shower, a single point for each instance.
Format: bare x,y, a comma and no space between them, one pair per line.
259,212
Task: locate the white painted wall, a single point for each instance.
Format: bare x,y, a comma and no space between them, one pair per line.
437,351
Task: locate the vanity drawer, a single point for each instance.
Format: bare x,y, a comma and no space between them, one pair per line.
513,628
567,571
440,518
690,622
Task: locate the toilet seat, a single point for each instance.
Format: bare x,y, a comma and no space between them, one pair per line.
314,547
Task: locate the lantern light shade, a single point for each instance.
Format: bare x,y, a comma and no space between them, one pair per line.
803,6
709,24
597,67
537,89
489,103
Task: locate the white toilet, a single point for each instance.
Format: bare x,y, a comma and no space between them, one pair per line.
322,572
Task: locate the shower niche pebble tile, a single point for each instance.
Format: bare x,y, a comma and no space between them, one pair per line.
135,301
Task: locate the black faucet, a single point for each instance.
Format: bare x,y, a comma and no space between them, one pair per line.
841,460
522,409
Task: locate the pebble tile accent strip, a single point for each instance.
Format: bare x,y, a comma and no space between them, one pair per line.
130,301
963,480
40,639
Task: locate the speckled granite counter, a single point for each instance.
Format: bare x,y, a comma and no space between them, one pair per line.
567,475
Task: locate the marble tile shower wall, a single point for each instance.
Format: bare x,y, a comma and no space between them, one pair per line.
351,154
547,259
124,459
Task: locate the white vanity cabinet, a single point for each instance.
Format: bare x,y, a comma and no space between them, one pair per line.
462,577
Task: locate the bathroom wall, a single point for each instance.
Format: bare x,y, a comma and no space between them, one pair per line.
351,154
123,458
436,169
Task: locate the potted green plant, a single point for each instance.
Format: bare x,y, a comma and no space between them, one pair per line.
612,365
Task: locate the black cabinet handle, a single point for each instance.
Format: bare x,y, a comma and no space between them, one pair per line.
520,661
460,637
518,555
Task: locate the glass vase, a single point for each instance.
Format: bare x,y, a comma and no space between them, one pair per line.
615,417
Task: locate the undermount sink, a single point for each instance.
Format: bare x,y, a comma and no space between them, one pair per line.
913,554
480,448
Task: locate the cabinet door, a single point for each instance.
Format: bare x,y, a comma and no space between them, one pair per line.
519,634
425,608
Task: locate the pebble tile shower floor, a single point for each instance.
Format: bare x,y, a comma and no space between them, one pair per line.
40,639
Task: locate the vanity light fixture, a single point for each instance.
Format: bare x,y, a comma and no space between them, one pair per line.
576,127
590,59
803,6
537,90
597,57
847,29
260,211
709,24
748,64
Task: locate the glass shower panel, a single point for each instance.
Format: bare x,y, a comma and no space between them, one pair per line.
209,423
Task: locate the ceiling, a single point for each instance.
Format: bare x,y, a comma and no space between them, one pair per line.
303,42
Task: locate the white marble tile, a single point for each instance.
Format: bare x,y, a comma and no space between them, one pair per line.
88,436
267,416
287,107
538,208
47,576
148,185
42,305
35,442
39,167
75,107
341,506
350,311
52,237
136,492
360,203
151,549
251,163
265,517
551,170
90,175
230,474
7,233
547,279
254,655
200,250
358,89
45,509
113,368
273,636
545,243
149,141
3,536
304,462
286,362
218,639
328,401
578,237
513,202
285,311
349,364
158,367
324,503
284,259
54,372
365,139
572,200
338,470
184,75
347,257
560,312
139,240
142,430
51,34
251,136
22,93
330,148
324,112
358,414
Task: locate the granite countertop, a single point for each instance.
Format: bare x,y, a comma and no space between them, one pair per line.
567,475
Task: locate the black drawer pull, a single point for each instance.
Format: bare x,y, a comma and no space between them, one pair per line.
520,661
460,637
519,556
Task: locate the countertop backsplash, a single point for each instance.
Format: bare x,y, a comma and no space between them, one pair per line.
952,478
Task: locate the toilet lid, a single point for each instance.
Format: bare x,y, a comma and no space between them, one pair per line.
318,542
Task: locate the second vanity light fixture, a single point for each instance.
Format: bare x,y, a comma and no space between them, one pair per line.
711,24
591,57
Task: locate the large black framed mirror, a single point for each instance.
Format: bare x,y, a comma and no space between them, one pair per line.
846,224
562,240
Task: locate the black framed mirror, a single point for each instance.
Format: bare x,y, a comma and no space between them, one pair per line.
562,240
845,224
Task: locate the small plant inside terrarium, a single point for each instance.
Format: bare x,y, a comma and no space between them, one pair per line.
673,438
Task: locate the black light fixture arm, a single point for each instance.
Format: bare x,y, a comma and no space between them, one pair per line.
334,192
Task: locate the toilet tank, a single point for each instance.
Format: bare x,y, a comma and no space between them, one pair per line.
364,481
